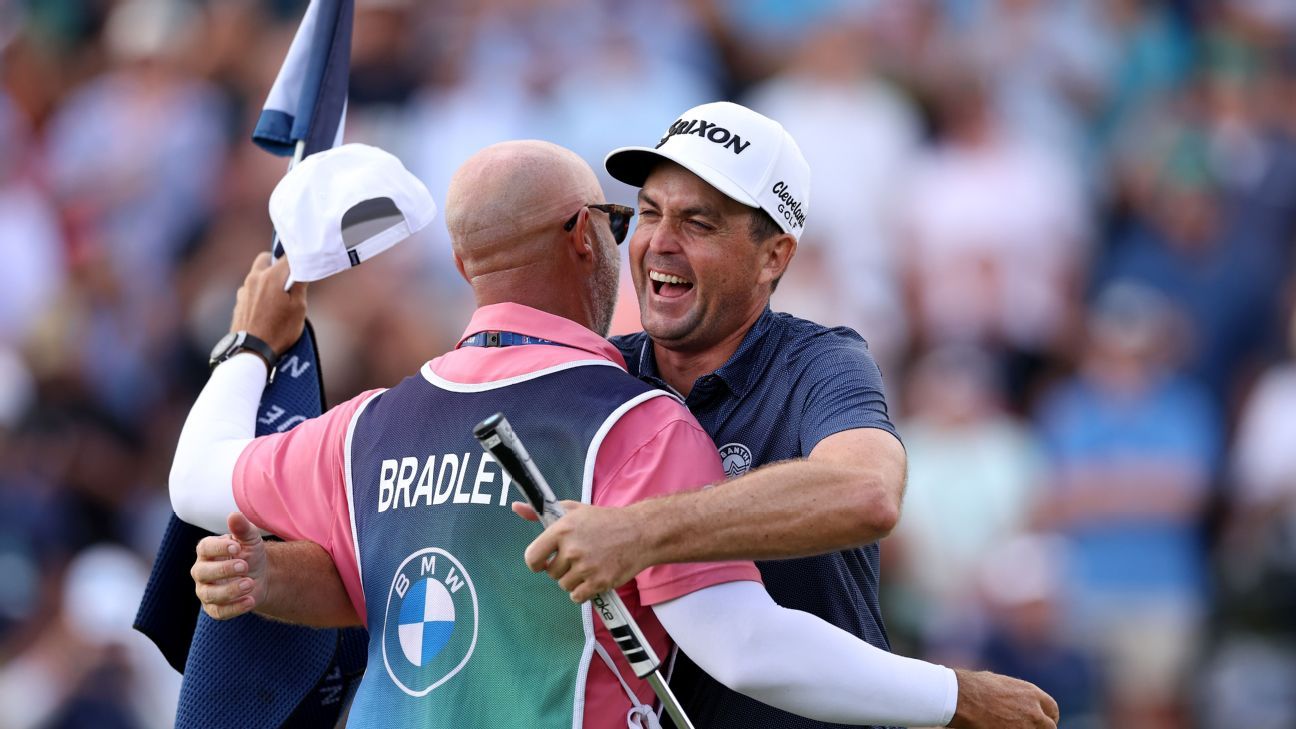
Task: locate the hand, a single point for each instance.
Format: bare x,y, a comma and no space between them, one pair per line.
593,548
265,310
230,574
990,701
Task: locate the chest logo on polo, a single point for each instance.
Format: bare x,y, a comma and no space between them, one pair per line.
736,459
430,629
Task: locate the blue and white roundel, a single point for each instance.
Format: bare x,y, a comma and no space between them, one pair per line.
427,618
430,629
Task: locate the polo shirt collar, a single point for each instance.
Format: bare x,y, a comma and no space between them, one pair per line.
739,372
520,319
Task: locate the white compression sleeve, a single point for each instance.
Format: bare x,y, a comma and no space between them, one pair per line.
794,661
220,425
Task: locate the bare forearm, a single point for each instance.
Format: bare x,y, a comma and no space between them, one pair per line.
846,494
789,509
304,587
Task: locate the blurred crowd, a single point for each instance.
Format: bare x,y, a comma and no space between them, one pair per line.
1065,228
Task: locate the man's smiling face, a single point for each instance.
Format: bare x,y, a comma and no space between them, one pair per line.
697,272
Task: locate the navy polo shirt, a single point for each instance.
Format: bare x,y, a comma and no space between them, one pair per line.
790,384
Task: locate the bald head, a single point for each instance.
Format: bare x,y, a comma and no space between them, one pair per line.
507,203
505,212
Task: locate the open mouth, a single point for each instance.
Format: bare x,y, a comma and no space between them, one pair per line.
669,285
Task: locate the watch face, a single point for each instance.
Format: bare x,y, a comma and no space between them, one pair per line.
223,346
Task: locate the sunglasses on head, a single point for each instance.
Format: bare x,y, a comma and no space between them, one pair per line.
618,217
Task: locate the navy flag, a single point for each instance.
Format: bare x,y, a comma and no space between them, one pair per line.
307,102
252,672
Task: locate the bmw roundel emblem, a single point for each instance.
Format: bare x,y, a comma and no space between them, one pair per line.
430,629
736,459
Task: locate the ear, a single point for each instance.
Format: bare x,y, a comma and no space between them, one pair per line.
459,264
774,257
577,243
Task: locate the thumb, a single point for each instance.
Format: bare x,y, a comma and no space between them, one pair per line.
278,271
242,529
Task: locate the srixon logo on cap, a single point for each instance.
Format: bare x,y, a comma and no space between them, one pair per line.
708,131
788,205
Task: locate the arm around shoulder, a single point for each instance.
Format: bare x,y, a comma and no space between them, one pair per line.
846,494
846,491
294,582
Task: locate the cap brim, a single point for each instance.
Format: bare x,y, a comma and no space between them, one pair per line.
632,165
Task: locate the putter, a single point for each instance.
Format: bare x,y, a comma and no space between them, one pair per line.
498,439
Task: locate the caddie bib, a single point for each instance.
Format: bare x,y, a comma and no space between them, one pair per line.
462,633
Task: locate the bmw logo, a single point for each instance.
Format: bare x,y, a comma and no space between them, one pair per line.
431,626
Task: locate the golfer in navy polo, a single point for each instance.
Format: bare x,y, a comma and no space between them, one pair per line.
796,410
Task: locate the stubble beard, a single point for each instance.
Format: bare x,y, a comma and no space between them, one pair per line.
606,283
674,333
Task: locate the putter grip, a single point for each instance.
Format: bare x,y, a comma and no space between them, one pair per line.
497,438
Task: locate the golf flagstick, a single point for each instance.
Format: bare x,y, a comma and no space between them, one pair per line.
498,439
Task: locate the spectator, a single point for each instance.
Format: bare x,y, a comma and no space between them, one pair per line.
1152,48
972,464
1251,669
859,136
1264,463
1048,62
133,186
1133,448
87,667
31,242
1022,584
995,232
1185,242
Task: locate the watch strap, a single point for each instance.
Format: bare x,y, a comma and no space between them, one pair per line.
245,341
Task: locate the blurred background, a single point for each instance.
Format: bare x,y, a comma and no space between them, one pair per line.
1064,226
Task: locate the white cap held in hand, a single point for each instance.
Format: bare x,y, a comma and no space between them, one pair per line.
341,207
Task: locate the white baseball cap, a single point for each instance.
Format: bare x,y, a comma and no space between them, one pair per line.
343,206
743,154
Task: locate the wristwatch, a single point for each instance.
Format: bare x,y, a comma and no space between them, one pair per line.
240,341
